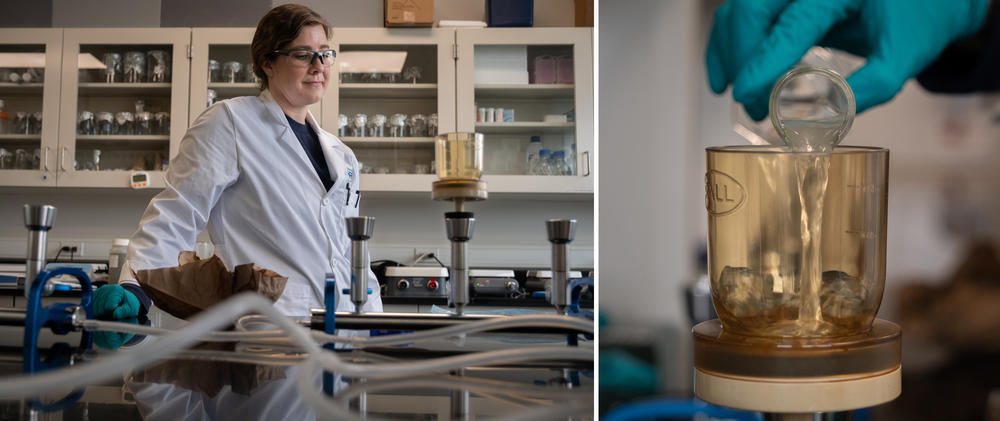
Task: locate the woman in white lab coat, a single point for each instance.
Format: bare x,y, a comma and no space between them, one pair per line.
269,184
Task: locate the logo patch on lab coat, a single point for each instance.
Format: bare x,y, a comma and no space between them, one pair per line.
350,173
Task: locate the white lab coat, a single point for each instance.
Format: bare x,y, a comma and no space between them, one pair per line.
241,172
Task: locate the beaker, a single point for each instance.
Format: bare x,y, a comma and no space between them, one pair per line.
788,254
459,156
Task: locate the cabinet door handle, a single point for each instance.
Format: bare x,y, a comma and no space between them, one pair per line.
45,160
586,162
62,159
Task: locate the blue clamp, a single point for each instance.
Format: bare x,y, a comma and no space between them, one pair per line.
347,291
59,319
575,290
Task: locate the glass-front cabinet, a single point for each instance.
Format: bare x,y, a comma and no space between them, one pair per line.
530,91
221,68
394,93
29,106
124,105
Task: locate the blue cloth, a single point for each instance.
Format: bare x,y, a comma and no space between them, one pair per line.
314,150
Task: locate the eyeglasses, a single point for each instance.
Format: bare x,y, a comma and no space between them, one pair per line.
305,58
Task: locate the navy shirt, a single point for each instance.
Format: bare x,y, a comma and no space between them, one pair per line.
310,142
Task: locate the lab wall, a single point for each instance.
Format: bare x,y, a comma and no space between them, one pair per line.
510,230
657,115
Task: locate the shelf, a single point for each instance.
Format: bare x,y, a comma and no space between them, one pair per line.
388,90
389,142
125,137
524,127
397,182
230,90
20,137
110,178
115,89
21,88
525,91
495,184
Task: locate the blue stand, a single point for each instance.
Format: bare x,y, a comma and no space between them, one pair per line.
58,318
329,324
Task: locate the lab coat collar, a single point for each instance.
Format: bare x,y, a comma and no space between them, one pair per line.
334,151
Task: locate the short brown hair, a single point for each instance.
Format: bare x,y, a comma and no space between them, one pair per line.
276,29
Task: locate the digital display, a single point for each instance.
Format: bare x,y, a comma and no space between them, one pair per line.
138,178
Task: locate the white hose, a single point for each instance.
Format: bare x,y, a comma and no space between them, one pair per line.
279,337
112,367
222,314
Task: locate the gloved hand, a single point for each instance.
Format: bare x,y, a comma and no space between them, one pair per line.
112,302
114,340
754,42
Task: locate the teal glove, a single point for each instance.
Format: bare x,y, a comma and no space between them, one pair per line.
754,42
114,340
112,302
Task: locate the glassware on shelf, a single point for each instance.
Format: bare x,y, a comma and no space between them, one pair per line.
421,169
358,125
125,123
397,125
412,74
231,72
249,75
97,159
161,123
4,119
112,72
86,124
211,95
36,123
140,106
135,67
105,123
22,123
342,125
377,125
144,123
432,125
22,160
214,71
6,160
158,66
417,125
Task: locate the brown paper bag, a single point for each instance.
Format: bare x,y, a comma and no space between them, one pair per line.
194,285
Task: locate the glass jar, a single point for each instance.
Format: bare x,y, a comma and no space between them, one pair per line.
158,66
125,123
417,125
342,125
231,72
214,71
772,277
459,156
135,67
161,123
112,72
377,125
106,124
432,125
397,125
210,96
144,123
86,124
249,75
359,123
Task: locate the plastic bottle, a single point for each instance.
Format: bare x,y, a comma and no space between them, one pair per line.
559,163
531,155
116,258
4,118
544,166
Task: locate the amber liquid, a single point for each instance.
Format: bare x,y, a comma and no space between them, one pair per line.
796,240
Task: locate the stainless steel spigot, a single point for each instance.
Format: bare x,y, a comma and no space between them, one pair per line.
38,220
459,227
359,230
561,233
